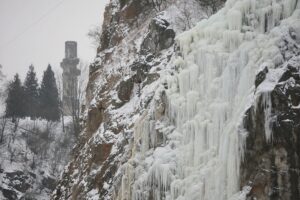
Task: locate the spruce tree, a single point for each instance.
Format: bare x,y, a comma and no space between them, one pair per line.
31,95
15,100
49,100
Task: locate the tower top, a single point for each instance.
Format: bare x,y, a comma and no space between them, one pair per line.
70,49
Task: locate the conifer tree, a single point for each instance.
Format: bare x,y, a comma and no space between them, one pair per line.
15,99
31,95
49,100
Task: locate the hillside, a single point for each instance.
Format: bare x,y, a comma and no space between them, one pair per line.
33,154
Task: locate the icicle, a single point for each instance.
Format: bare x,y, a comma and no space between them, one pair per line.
235,20
267,106
232,39
289,7
242,142
192,99
184,80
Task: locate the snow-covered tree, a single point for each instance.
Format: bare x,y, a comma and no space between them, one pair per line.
94,35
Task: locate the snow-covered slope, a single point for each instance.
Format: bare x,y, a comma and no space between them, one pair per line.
180,121
32,156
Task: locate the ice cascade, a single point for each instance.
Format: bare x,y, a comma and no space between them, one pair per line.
219,59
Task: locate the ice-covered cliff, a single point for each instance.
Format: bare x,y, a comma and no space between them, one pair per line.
213,115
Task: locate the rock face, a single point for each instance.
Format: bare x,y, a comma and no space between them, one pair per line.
9,194
125,90
261,76
159,37
271,166
20,181
121,85
127,13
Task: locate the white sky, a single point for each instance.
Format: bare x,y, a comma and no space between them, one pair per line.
34,32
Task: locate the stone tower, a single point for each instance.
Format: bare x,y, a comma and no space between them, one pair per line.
70,77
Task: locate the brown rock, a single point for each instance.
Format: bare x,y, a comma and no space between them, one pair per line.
125,89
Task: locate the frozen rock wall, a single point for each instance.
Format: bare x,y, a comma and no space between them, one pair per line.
198,119
207,99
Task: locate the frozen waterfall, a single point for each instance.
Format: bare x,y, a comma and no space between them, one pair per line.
207,98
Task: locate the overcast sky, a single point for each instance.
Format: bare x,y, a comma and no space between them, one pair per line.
34,32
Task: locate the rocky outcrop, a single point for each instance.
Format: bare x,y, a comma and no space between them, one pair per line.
260,77
272,166
49,183
159,37
118,16
20,181
95,117
9,194
125,89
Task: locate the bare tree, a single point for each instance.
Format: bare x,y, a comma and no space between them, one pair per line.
3,123
156,4
33,163
185,17
2,76
211,6
12,152
76,95
16,124
75,110
95,35
60,94
3,96
55,160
